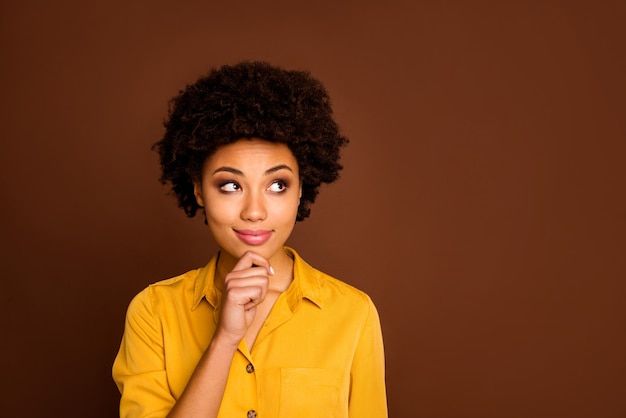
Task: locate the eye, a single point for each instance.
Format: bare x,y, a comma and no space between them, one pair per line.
230,186
277,186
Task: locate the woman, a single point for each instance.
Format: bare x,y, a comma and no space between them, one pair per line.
257,331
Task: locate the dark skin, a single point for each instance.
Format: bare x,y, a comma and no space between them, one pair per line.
250,191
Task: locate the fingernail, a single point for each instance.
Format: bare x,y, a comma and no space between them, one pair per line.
271,270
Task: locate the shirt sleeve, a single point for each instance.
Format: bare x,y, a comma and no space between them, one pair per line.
139,368
367,392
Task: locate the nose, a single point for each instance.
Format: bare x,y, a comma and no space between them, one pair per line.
254,208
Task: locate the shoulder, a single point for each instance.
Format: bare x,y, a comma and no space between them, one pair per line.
330,292
175,290
173,283
338,293
331,286
345,306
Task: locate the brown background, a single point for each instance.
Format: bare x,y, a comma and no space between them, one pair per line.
482,203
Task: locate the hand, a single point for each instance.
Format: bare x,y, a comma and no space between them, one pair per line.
244,288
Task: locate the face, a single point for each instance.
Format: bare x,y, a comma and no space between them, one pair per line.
250,191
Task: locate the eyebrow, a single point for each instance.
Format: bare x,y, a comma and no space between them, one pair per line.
240,173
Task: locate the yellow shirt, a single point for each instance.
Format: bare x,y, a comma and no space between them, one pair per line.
318,354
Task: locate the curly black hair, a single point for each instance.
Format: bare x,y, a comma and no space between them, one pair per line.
250,100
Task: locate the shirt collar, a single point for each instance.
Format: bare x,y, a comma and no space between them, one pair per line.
306,284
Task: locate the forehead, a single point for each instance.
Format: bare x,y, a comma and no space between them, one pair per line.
251,155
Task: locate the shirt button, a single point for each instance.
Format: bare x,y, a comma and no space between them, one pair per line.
250,368
252,413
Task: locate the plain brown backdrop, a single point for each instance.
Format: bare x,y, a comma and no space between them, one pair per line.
482,204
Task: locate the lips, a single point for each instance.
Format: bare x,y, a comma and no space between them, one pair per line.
253,236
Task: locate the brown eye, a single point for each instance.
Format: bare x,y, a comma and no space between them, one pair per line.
277,186
230,186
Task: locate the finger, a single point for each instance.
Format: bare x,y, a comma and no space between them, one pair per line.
235,285
250,305
251,259
250,272
244,282
246,297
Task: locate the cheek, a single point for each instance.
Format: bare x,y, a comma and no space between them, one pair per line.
219,211
290,209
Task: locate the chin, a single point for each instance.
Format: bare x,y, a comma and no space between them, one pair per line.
266,250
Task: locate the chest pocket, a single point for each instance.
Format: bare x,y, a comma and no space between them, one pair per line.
310,393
